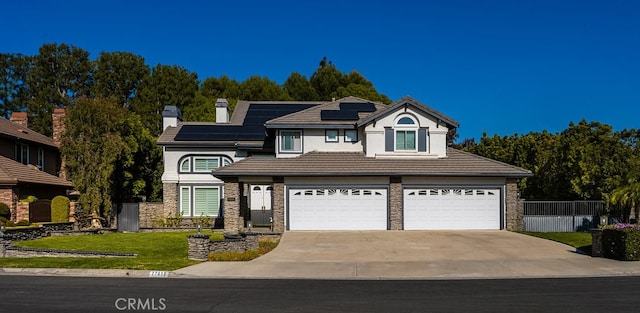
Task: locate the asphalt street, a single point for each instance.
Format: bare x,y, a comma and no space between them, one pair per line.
93,294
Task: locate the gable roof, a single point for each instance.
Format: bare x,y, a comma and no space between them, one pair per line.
415,104
246,126
457,163
12,173
313,117
18,132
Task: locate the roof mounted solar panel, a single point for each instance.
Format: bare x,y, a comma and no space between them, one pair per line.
358,106
219,133
339,115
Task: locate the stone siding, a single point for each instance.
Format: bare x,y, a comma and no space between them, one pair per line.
170,197
150,212
514,207
231,205
396,219
278,196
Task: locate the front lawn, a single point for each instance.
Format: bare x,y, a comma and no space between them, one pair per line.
579,240
156,251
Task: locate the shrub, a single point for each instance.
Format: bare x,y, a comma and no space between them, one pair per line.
60,209
11,224
621,242
23,223
5,211
29,199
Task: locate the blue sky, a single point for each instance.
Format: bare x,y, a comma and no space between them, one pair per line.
496,66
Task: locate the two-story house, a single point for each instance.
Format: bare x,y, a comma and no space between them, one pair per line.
349,164
29,161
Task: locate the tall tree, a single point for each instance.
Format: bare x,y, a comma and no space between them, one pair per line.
326,79
299,88
118,75
261,88
91,146
13,71
59,74
167,85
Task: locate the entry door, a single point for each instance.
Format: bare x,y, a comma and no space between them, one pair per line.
261,205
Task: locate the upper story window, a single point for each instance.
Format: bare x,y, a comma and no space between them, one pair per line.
331,135
350,135
22,153
291,141
202,163
405,134
40,158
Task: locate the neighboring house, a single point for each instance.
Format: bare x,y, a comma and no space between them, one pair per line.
349,164
29,162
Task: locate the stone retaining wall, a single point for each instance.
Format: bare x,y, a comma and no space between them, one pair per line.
17,252
200,246
44,230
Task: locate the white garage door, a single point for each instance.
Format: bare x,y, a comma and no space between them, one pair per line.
338,209
451,208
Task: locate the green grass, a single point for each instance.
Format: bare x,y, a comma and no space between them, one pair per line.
156,251
579,240
264,246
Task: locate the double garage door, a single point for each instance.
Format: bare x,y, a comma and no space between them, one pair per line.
367,208
451,208
338,209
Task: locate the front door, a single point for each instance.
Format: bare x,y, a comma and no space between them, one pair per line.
261,205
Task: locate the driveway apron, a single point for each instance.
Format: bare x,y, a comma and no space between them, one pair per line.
415,255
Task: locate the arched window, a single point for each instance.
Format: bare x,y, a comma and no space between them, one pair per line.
202,163
405,133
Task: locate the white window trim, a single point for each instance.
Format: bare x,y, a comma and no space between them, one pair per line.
189,212
281,142
19,155
188,159
193,168
405,128
346,139
326,135
223,160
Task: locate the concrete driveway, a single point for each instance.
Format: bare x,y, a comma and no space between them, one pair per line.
415,255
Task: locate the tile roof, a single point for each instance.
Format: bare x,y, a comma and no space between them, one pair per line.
238,118
12,172
457,163
18,132
311,117
408,100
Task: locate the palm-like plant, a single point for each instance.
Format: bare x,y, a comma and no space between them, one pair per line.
628,196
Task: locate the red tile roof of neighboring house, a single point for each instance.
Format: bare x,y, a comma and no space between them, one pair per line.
12,173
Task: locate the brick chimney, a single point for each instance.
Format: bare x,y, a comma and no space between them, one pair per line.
20,118
58,128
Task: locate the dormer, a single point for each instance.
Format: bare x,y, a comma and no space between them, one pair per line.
407,128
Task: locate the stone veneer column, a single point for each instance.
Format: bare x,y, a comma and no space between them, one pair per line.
395,203
170,198
514,210
231,205
277,206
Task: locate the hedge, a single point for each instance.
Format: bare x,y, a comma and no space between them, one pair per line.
60,209
621,242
